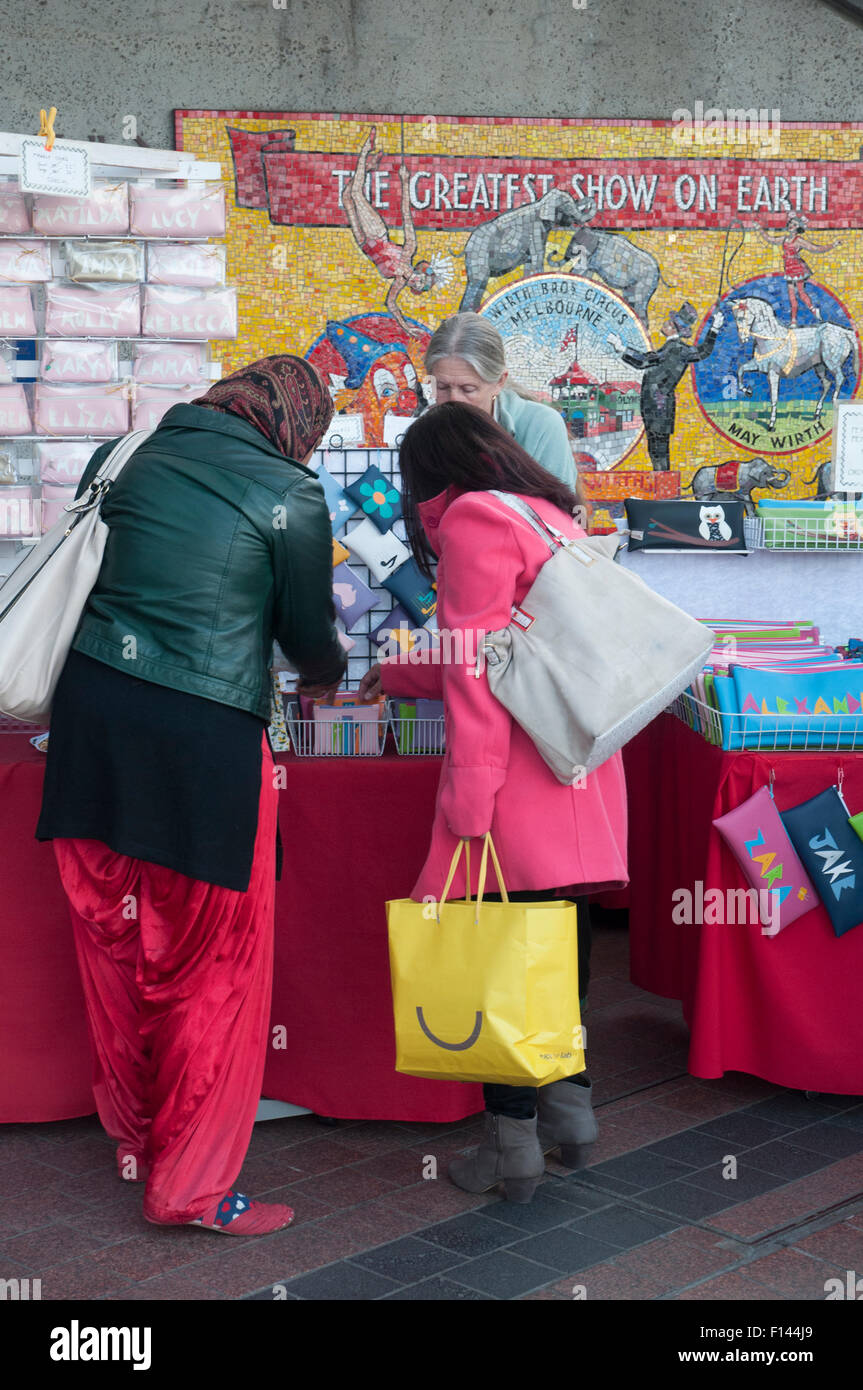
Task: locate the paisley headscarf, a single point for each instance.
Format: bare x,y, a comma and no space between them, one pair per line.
283,397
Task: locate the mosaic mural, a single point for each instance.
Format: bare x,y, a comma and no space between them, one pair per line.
691,309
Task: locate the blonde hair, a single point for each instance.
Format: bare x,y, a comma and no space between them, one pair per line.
477,342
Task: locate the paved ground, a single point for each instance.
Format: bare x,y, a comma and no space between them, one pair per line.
653,1218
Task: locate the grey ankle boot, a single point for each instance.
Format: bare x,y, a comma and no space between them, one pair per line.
565,1118
509,1153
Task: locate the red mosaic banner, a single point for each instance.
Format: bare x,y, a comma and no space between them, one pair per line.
305,188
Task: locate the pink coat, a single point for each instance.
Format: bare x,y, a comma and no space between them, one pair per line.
547,835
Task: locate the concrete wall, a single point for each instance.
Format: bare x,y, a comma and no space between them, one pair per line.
100,60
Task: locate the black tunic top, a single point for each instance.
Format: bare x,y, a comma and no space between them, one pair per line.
154,773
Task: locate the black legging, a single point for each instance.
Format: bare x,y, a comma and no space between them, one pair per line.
519,1102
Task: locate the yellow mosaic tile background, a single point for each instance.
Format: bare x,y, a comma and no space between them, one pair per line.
325,276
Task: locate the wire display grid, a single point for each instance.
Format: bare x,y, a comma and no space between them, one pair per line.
347,466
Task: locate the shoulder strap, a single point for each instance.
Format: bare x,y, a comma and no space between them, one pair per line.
120,455
110,470
553,539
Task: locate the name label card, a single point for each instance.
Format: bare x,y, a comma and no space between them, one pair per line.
64,169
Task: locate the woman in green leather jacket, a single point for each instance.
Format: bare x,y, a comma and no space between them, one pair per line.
159,789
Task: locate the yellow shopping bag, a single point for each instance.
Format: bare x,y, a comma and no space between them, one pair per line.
485,991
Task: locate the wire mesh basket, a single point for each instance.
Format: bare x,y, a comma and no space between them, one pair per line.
416,737
840,531
341,736
770,732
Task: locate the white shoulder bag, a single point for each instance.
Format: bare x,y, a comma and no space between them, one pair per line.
42,600
592,655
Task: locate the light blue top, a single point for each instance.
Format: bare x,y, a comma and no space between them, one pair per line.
541,432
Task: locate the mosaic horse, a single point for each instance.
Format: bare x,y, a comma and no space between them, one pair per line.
780,351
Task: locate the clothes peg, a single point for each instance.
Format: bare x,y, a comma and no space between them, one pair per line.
47,126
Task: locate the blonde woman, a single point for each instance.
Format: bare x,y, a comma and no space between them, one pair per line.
466,359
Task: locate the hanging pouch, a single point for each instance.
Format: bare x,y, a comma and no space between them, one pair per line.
91,311
14,213
14,410
185,263
16,312
23,261
104,213
91,410
151,403
171,312
759,842
104,260
78,360
196,211
832,854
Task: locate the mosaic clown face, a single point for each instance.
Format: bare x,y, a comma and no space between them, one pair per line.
372,366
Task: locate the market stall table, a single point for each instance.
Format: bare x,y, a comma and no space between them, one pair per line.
355,831
785,1008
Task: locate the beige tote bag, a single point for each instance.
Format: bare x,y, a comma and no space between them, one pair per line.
592,655
42,600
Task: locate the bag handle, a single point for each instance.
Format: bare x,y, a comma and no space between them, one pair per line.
462,845
533,519
488,846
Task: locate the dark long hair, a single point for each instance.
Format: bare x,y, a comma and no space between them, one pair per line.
460,445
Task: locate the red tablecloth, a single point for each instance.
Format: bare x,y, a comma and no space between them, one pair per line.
785,1008
354,833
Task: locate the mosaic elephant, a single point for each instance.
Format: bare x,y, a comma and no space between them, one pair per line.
517,238
612,258
823,480
734,480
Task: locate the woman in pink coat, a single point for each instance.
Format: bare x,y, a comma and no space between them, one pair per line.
551,839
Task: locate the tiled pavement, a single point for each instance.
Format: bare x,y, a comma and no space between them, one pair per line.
654,1217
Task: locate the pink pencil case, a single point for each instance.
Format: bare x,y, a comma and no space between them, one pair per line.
172,364
78,360
97,410
151,405
184,263
14,213
18,515
25,261
63,462
16,312
178,313
54,500
177,212
14,410
760,843
92,311
104,213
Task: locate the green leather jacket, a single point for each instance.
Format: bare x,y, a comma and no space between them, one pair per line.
217,544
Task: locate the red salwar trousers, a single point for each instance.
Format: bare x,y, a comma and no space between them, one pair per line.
177,978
